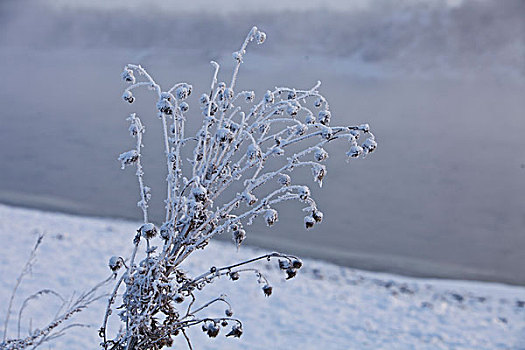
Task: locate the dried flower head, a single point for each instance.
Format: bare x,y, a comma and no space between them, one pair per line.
115,263
148,230
271,217
128,158
235,332
267,290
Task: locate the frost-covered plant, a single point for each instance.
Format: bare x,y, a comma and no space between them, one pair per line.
231,150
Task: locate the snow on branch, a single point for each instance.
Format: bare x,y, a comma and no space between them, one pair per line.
243,142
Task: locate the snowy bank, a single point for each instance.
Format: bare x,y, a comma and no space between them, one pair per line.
325,306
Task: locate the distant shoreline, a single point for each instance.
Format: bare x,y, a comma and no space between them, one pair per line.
403,266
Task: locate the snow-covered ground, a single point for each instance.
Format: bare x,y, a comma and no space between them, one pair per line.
325,306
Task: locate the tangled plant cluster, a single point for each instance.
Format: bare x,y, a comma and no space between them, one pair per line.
231,148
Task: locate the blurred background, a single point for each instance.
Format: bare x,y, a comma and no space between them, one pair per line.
442,84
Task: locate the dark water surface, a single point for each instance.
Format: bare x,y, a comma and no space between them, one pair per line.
442,83
443,195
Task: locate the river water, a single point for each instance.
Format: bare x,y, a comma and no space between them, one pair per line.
443,195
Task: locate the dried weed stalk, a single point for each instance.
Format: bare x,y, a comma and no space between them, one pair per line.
232,149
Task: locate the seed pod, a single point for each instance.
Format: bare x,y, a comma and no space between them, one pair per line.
355,135
290,273
238,237
249,96
165,96
319,171
115,263
133,129
213,330
224,135
237,56
199,193
147,193
183,92
253,151
292,109
301,129
269,97
204,99
260,37
235,332
310,119
304,192
284,179
178,298
297,264
317,215
326,132
249,198
320,154
355,151
128,96
309,222
228,93
271,216
128,76
369,145
234,275
364,127
212,109
165,231
284,264
128,158
324,117
267,290
148,230
184,107
234,127
165,106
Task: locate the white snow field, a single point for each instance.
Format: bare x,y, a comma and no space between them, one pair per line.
324,307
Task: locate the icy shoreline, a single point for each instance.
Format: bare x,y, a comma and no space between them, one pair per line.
326,305
398,265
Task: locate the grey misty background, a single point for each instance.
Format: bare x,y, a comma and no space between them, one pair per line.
442,85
